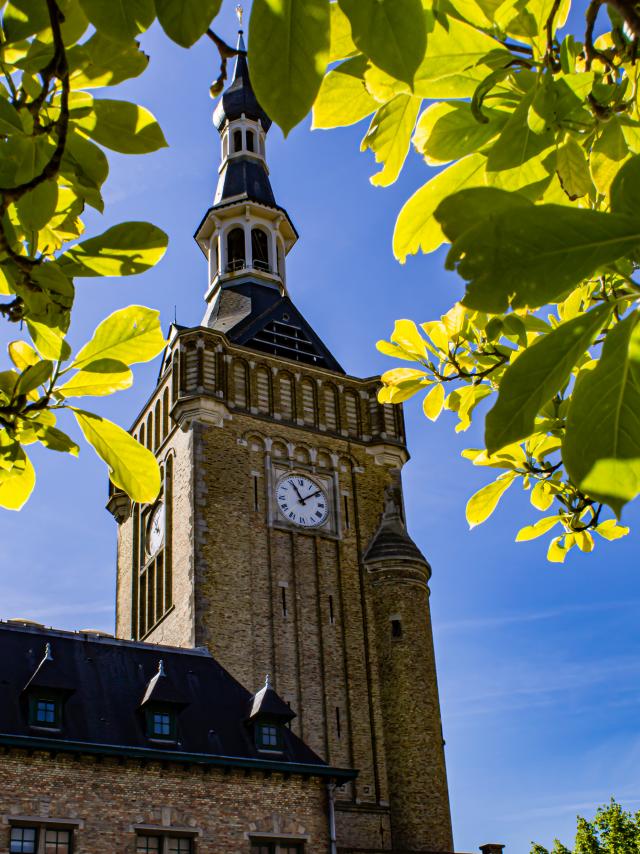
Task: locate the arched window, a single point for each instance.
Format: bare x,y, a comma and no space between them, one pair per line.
263,386
215,258
260,248
235,249
150,431
157,418
280,260
240,385
251,145
351,409
330,408
165,413
237,141
308,402
286,397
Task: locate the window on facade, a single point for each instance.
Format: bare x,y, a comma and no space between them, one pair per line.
57,841
44,712
24,840
235,250
396,629
268,736
161,723
164,845
251,141
237,140
260,249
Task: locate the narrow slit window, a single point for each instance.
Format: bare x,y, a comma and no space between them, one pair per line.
237,140
256,501
396,629
338,724
332,616
347,521
250,141
283,596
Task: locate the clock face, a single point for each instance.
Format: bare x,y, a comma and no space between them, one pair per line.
302,501
155,530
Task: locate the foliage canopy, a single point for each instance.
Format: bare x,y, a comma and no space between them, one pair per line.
612,831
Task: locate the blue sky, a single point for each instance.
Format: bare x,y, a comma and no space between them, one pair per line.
539,664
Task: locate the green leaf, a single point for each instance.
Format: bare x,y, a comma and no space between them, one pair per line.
608,154
448,131
129,335
121,126
416,228
101,61
532,532
537,256
119,19
390,32
455,50
389,135
481,505
132,467
466,208
187,20
97,379
343,99
48,341
573,169
36,207
123,250
625,189
9,118
342,45
22,354
601,447
17,485
537,374
288,54
433,403
34,376
23,18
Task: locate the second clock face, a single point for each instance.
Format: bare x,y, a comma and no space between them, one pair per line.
302,501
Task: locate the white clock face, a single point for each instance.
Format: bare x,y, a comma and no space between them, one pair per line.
302,501
155,530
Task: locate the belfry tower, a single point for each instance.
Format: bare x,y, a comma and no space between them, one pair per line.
279,539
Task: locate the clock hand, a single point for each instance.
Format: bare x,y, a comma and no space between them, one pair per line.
302,501
319,492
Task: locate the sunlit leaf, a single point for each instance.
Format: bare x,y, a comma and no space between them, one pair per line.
123,250
119,19
343,99
121,126
186,21
481,505
433,403
532,532
389,136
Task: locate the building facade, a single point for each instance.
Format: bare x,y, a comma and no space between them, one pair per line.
278,542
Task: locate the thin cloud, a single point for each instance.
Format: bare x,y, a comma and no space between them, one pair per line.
472,623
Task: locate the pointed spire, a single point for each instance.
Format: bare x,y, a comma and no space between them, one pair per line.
239,99
391,544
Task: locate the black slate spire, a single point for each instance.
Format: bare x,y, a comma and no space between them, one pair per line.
239,98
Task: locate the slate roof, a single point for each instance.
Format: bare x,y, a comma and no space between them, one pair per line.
239,97
275,326
391,542
105,682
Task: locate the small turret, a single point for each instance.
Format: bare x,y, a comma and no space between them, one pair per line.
398,574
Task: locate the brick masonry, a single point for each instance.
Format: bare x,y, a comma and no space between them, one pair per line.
266,597
107,799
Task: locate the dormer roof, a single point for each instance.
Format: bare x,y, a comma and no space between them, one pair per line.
50,675
161,689
268,705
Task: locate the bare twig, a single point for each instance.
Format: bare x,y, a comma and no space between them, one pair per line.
550,56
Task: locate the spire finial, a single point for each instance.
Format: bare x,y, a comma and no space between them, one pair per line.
161,668
267,681
239,14
47,653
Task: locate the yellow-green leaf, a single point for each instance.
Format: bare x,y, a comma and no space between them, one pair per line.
132,467
22,354
573,169
343,99
119,19
531,532
49,341
610,530
433,402
97,379
123,250
558,549
342,45
406,335
416,228
608,154
542,495
389,136
482,504
448,130
129,335
17,484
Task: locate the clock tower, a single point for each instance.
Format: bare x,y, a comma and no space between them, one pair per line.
279,540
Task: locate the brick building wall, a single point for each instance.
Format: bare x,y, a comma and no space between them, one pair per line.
266,597
105,799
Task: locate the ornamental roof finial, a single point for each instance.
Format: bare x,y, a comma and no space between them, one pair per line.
239,14
161,668
47,653
267,681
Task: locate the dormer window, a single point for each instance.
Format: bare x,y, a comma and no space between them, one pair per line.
268,736
45,712
161,724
